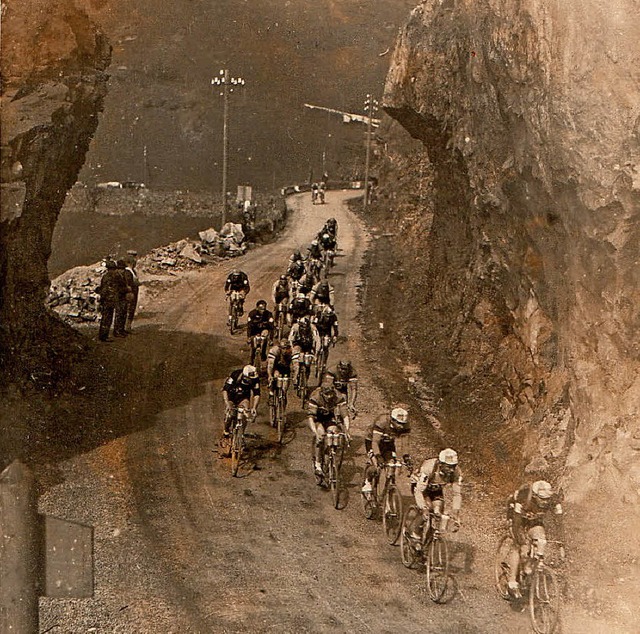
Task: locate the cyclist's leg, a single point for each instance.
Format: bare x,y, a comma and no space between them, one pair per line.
295,363
244,404
230,417
539,538
265,341
319,446
517,554
418,523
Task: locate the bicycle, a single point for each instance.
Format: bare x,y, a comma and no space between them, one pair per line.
334,445
279,406
328,257
323,357
538,584
430,549
281,319
237,440
302,381
257,345
385,495
235,301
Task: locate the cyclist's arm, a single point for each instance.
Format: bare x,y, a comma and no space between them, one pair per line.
352,392
376,436
418,492
343,413
317,344
456,503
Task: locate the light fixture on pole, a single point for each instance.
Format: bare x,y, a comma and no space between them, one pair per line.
370,108
227,85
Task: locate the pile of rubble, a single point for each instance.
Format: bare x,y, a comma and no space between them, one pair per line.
73,294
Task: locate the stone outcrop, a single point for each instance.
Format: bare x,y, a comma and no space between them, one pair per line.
53,66
530,115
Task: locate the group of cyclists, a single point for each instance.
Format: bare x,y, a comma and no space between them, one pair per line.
304,324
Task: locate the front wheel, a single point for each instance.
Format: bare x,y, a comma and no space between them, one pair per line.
392,514
334,480
410,547
281,415
501,566
544,601
236,451
437,568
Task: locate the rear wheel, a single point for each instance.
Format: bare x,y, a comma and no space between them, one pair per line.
410,548
501,566
233,324
544,601
437,568
334,479
392,514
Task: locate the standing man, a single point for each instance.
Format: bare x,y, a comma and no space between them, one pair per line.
112,285
125,295
134,283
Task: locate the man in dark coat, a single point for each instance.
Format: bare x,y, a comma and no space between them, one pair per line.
112,285
124,296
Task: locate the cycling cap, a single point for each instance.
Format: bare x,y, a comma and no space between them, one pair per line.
344,363
284,343
297,253
326,235
261,302
542,489
399,415
315,242
249,372
303,321
283,277
448,456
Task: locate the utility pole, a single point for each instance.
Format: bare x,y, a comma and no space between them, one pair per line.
370,107
227,85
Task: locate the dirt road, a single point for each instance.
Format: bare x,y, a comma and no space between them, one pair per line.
181,546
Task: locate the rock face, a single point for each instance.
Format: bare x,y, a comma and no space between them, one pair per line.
53,67
530,113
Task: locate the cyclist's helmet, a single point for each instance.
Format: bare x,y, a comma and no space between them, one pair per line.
344,364
325,235
249,373
261,303
542,492
399,420
283,278
314,242
296,254
448,457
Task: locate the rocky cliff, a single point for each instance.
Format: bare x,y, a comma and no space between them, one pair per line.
530,115
53,69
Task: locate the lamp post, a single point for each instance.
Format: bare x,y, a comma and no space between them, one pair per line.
227,85
370,108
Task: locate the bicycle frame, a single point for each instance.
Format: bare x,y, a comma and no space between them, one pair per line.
237,438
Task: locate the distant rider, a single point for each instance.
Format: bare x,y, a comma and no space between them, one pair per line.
322,293
260,322
315,251
278,363
300,307
326,321
280,293
237,281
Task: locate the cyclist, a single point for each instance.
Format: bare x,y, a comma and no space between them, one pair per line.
238,281
345,380
304,338
296,269
327,409
326,321
300,307
380,443
241,389
314,192
434,474
260,322
322,293
527,509
327,241
296,256
306,283
280,293
331,226
315,251
278,363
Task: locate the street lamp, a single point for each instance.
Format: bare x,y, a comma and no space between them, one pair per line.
227,85
370,108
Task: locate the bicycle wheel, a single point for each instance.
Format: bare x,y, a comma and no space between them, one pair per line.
281,415
273,411
236,451
392,514
410,547
544,601
233,324
501,566
257,362
304,378
334,479
437,567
